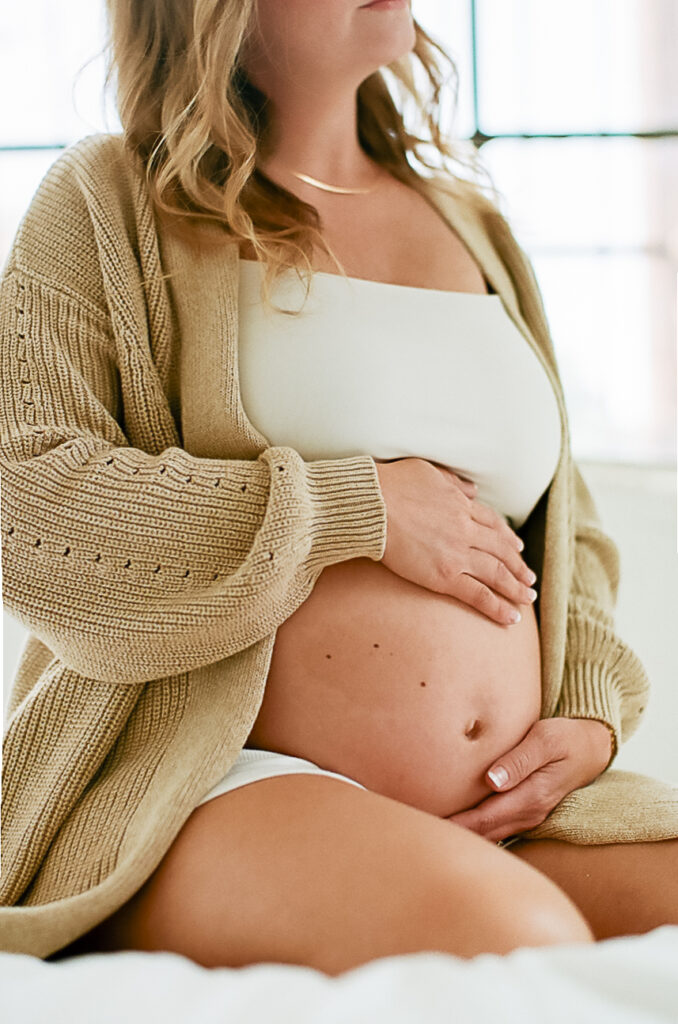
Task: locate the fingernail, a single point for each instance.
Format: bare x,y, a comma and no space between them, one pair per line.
499,776
515,616
521,544
531,576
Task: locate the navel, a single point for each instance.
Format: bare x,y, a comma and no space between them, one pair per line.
473,729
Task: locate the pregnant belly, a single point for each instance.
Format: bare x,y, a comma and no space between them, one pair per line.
412,693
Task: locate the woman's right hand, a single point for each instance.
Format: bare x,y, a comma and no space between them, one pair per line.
441,538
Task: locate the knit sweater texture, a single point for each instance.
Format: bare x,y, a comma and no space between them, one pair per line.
153,541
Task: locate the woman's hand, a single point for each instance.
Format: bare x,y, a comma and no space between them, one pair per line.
556,756
441,538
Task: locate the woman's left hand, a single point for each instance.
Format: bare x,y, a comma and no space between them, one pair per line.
556,756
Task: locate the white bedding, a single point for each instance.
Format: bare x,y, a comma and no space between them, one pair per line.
631,980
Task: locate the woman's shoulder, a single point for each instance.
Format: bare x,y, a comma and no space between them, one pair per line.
87,203
99,171
101,151
469,199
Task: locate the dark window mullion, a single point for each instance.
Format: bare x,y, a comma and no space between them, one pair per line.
479,138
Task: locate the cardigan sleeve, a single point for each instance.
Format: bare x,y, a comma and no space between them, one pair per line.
603,678
132,566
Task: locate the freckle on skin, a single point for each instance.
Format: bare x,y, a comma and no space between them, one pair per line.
328,655
375,645
422,684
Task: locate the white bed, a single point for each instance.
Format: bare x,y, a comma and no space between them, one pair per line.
630,980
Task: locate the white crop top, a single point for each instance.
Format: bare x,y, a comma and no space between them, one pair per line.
394,371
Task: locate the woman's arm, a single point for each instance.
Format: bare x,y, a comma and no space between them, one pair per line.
130,565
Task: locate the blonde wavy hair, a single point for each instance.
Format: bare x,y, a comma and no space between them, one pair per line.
198,125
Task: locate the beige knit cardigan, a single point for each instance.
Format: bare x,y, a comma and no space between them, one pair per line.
153,541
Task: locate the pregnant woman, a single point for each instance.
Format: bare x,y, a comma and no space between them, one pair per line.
289,693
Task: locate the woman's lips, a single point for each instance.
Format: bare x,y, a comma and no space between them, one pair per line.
385,4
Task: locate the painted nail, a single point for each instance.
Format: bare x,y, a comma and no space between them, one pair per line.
499,776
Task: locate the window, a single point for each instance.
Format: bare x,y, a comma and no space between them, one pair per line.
574,107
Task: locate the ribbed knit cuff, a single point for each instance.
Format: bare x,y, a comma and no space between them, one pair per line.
349,519
603,678
589,693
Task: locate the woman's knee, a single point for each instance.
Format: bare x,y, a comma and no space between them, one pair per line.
444,889
513,909
548,918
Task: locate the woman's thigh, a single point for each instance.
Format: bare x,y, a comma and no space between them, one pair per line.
621,888
311,870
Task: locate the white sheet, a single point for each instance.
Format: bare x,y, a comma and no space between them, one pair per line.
630,980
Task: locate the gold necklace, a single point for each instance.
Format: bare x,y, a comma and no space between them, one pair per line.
333,188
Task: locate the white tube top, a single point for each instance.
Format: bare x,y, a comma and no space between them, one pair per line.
395,371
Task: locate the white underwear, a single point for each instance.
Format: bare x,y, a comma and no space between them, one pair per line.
252,765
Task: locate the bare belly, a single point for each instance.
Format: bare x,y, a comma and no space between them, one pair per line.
412,693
